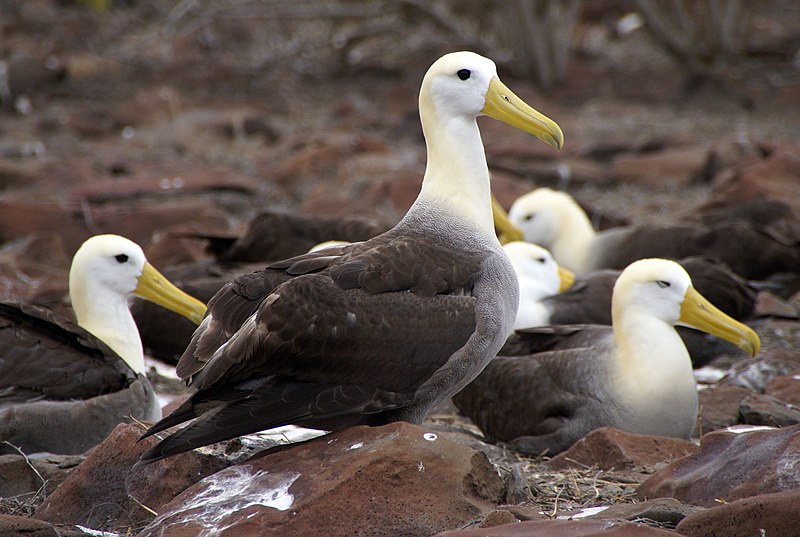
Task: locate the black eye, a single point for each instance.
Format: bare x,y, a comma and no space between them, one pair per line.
528,217
464,74
121,258
540,260
662,284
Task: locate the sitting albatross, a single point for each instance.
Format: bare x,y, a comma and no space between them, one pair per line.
540,279
376,331
63,387
634,375
545,300
554,220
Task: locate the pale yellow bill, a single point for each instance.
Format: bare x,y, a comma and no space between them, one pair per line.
506,231
153,286
566,278
503,105
699,313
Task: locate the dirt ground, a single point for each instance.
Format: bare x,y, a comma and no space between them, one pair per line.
312,106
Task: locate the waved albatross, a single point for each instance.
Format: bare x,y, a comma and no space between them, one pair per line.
376,331
540,278
634,375
63,387
554,220
588,299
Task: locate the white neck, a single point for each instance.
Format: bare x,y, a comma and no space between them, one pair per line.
573,243
456,175
106,315
654,372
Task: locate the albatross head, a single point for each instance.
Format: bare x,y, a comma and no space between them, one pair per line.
458,88
534,264
465,84
106,270
663,290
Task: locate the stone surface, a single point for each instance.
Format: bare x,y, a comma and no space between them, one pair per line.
766,514
17,526
664,512
612,449
755,373
399,479
21,477
719,406
106,492
785,387
760,409
731,464
563,528
678,166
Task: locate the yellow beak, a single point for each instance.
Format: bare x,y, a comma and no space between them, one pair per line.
503,105
153,286
697,312
506,231
566,277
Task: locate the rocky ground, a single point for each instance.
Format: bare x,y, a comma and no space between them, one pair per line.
153,122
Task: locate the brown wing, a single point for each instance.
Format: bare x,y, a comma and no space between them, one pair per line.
749,251
47,357
551,398
325,339
278,235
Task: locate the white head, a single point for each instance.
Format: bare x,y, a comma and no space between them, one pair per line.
543,214
108,269
654,286
556,221
662,290
458,88
539,277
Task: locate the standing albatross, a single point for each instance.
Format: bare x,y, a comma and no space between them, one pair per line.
376,331
556,384
63,387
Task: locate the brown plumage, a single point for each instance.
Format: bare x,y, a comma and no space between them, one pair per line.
53,372
376,331
273,235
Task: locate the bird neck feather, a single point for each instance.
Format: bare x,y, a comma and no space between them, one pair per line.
106,316
456,175
574,241
651,356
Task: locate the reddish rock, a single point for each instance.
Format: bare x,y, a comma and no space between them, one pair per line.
666,512
786,388
731,464
17,526
766,514
777,176
755,373
719,406
20,476
563,528
74,221
612,449
676,166
760,409
400,479
106,492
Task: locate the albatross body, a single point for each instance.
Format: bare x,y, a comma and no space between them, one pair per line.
555,221
63,387
376,331
559,383
588,299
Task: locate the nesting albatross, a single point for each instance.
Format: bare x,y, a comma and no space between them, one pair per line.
376,331
635,375
63,387
553,219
